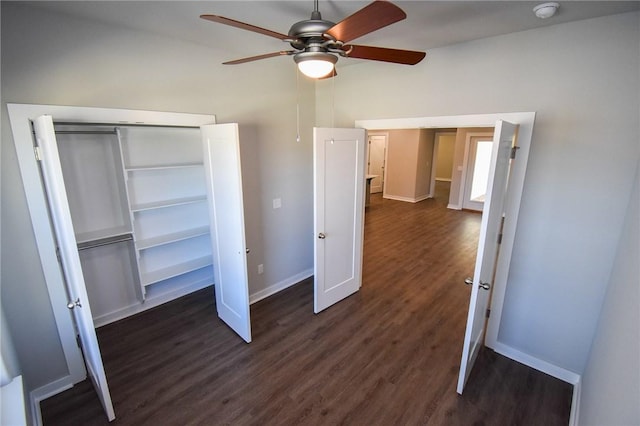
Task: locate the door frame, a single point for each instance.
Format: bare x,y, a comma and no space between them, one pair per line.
386,151
465,163
514,195
20,117
434,161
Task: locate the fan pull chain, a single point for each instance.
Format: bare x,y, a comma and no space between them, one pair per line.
297,105
333,105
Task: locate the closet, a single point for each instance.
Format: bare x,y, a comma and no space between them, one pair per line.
130,209
138,202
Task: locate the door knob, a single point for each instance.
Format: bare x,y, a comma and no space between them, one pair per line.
75,303
484,286
322,236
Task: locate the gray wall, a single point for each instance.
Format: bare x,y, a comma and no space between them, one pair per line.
582,79
53,59
611,382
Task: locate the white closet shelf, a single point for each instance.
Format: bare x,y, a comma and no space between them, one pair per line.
162,167
99,234
167,203
152,277
171,238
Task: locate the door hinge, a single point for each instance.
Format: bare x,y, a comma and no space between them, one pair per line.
78,342
500,238
38,153
514,150
487,313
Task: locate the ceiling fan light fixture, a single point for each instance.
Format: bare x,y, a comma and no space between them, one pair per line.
315,64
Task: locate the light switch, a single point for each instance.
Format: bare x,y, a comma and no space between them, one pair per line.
277,203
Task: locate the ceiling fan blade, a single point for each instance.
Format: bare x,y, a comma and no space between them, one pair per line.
243,26
397,56
377,15
258,57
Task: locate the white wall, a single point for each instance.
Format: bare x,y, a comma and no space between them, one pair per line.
610,391
582,79
52,59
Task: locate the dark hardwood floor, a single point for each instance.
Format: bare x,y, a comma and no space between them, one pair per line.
388,355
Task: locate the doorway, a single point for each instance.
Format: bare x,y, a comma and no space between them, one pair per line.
525,121
476,170
376,161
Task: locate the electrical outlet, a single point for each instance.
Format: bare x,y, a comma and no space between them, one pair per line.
260,268
277,203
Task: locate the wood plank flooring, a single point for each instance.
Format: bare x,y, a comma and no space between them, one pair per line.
388,355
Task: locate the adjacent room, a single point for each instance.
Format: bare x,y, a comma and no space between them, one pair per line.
563,324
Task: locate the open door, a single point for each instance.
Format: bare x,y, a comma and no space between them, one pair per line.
47,149
488,246
226,213
339,183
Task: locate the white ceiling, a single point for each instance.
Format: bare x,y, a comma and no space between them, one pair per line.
429,24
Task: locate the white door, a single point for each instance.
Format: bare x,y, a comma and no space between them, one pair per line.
487,246
377,148
477,175
339,183
226,212
69,258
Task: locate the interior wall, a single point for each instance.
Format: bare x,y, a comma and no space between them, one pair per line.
581,165
444,161
424,162
68,61
401,165
610,388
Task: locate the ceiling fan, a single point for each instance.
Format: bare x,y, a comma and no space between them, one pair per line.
317,43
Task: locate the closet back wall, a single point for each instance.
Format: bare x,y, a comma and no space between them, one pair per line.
68,61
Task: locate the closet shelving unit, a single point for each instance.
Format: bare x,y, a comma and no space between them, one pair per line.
166,193
138,201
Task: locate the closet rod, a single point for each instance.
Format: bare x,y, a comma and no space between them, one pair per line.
85,132
79,124
105,241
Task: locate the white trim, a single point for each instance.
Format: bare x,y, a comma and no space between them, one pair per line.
150,302
406,199
40,394
462,192
279,286
453,207
537,364
574,417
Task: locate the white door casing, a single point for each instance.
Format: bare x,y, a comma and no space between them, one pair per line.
471,161
69,257
339,185
488,246
221,145
375,166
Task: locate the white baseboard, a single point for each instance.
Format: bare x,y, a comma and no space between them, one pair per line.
454,207
574,418
44,392
273,289
150,302
406,199
537,364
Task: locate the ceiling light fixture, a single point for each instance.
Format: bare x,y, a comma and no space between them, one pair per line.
546,10
315,64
